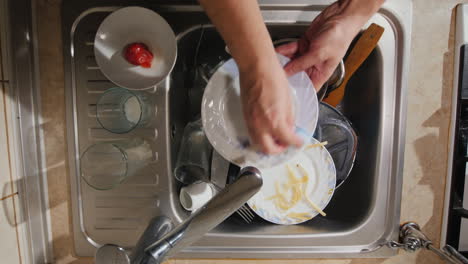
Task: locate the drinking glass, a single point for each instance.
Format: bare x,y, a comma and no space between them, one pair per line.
105,165
119,110
193,160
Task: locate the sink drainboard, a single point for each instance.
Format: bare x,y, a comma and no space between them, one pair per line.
120,214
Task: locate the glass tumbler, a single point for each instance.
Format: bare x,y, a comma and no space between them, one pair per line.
106,165
193,159
119,110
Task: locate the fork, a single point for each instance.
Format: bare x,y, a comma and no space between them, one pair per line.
245,213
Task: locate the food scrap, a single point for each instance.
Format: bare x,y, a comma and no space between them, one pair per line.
297,187
139,54
311,203
321,144
300,216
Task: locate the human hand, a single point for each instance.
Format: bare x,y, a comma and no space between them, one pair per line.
266,98
267,107
321,48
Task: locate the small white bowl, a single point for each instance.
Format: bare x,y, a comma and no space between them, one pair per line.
135,25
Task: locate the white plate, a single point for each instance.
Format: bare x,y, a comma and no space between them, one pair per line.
322,179
129,25
224,124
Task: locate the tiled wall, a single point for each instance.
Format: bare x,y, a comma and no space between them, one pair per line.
9,197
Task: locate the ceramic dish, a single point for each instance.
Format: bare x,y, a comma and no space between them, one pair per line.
224,124
135,25
313,162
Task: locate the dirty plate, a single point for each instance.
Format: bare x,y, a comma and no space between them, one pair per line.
314,179
135,25
224,124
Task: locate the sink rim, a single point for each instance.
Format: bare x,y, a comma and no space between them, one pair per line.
398,143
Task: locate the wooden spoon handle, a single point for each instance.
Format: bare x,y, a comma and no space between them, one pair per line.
361,50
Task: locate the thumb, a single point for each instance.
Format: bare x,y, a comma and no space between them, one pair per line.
319,75
288,49
300,64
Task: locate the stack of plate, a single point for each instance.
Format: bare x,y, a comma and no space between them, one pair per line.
225,128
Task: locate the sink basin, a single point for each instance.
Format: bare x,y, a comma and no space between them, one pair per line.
363,215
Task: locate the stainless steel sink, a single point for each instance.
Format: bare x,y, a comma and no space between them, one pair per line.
363,215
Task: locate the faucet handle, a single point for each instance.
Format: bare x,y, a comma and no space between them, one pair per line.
156,242
111,254
250,170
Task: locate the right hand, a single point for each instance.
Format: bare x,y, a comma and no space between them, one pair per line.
267,107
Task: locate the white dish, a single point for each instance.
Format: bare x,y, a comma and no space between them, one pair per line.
320,186
135,25
224,124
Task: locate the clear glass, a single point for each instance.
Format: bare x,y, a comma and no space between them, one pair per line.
120,110
193,159
106,165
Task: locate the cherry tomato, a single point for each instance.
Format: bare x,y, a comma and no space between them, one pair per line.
139,54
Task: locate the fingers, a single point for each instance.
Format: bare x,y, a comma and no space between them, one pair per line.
268,145
275,142
301,63
262,139
286,136
288,50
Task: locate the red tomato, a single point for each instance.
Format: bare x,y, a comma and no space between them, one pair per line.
138,54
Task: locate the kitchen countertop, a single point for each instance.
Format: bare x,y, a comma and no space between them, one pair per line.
429,103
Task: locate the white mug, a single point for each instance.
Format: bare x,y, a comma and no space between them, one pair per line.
196,195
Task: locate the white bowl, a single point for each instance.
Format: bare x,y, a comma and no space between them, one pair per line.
135,25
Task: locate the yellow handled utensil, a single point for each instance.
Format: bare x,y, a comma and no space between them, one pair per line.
361,50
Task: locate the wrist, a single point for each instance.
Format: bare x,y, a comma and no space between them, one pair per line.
355,13
364,8
257,62
266,68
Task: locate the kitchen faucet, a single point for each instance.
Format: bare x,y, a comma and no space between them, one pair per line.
160,240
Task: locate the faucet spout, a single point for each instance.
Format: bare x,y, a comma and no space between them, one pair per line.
158,243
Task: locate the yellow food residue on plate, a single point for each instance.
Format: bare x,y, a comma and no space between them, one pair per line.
321,144
309,201
300,216
297,188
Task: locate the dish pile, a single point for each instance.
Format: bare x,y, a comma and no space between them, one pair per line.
224,124
298,183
